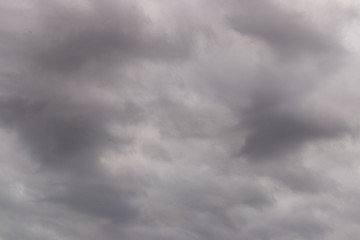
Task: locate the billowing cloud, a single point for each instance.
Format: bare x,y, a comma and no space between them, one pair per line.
178,120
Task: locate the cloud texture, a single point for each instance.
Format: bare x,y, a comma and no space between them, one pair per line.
179,120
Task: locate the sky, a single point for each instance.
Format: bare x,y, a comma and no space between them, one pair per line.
179,120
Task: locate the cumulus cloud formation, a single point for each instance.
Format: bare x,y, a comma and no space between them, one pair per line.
178,119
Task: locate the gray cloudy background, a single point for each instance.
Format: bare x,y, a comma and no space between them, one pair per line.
179,119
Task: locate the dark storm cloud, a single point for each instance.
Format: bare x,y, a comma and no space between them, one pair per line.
55,100
74,38
274,132
51,105
278,119
71,137
59,133
288,33
122,119
269,96
275,117
302,180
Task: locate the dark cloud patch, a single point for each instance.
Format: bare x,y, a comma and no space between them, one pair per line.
73,38
302,180
286,32
270,104
59,108
275,132
64,134
93,91
52,101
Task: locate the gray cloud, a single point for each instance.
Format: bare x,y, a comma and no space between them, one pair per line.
277,132
177,120
60,133
53,101
59,117
98,198
287,32
74,38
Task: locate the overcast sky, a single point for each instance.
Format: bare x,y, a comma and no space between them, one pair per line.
179,120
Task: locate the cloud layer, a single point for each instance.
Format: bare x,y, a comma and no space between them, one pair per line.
178,120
